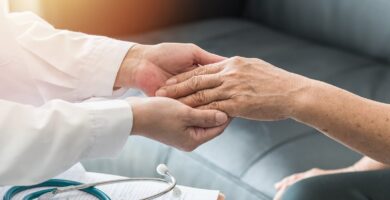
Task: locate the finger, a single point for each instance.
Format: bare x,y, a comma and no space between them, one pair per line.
281,183
278,185
202,70
204,97
202,135
225,106
206,118
279,194
289,180
203,57
190,86
293,179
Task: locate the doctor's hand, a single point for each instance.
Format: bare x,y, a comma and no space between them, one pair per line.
242,87
147,67
175,124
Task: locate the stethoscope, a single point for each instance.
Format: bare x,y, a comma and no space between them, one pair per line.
63,186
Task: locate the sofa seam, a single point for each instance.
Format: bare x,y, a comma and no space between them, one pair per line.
267,152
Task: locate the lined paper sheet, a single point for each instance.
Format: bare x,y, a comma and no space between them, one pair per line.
124,191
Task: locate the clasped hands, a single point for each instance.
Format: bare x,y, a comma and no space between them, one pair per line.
207,95
204,91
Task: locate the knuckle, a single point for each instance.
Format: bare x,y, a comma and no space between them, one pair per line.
241,100
238,59
160,45
174,91
232,75
295,176
200,71
215,105
257,60
170,90
190,146
186,149
199,97
254,60
186,116
194,82
192,45
219,76
313,169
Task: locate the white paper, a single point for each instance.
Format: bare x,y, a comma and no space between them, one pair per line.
122,191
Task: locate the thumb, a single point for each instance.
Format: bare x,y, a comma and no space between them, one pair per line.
207,118
202,135
203,57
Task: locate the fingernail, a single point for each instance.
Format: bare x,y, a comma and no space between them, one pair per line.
171,81
221,118
161,93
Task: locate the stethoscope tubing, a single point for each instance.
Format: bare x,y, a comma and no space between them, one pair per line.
63,186
52,183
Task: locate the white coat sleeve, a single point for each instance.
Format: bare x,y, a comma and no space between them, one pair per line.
68,65
38,143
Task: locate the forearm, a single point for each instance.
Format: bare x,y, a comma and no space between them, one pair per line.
49,131
65,65
359,123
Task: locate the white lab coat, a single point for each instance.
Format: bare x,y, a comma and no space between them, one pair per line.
40,135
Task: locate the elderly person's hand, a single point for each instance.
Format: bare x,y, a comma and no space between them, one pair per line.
241,87
147,67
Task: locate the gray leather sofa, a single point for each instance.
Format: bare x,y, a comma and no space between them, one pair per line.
342,42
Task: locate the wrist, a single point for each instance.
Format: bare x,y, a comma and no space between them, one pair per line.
127,74
139,120
304,98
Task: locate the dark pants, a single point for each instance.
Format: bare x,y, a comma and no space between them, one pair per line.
374,185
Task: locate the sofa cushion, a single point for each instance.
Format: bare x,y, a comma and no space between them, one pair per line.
358,25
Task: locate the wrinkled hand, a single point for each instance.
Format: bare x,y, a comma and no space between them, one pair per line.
241,87
282,185
175,124
147,67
